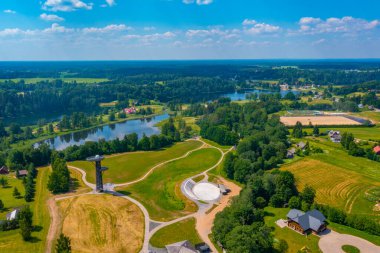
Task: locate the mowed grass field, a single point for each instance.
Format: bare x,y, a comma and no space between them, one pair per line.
131,166
343,181
160,192
102,223
295,240
11,241
362,133
6,194
177,232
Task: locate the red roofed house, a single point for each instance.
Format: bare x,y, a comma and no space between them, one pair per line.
131,110
377,150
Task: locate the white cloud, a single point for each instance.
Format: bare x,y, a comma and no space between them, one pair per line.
66,5
249,22
57,28
198,2
9,11
106,29
51,17
110,3
261,28
310,25
148,38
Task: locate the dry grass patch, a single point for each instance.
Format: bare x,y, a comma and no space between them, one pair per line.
319,120
102,223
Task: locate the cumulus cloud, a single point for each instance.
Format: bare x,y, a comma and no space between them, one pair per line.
9,11
261,28
198,2
66,5
51,17
57,28
317,42
110,2
310,25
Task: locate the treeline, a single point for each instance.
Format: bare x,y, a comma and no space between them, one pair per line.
359,222
19,99
59,179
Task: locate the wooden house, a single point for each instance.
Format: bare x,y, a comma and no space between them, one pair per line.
311,221
4,170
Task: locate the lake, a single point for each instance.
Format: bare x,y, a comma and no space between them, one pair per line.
108,132
236,96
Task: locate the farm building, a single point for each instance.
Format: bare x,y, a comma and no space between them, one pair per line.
4,170
377,150
181,247
22,173
13,215
290,154
335,136
311,221
301,145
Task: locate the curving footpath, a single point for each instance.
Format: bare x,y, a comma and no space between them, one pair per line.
332,242
204,220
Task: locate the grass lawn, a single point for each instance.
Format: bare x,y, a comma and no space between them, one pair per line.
102,223
213,143
180,231
6,194
343,181
160,192
295,240
131,166
11,241
350,249
363,133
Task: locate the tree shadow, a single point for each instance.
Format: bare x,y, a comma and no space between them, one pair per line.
37,228
34,239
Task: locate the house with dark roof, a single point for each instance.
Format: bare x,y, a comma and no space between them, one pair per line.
335,136
290,154
4,170
311,221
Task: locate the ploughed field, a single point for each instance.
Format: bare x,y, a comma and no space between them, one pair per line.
346,182
134,165
161,192
102,223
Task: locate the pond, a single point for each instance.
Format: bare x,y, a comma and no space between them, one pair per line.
109,132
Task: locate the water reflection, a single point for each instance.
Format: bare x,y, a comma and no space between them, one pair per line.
109,132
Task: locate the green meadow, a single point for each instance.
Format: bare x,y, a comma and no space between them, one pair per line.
131,166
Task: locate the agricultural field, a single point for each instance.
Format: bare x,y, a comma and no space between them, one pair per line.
160,192
11,241
131,166
343,181
318,120
66,79
177,232
295,240
102,223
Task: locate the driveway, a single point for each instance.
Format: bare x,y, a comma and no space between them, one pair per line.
332,242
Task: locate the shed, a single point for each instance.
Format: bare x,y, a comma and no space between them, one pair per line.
22,173
377,150
13,215
223,189
4,170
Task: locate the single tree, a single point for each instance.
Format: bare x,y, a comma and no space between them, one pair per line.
63,244
25,222
16,193
1,205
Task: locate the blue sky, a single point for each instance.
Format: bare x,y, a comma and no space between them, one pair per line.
188,29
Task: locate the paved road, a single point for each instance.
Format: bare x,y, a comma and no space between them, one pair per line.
332,242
